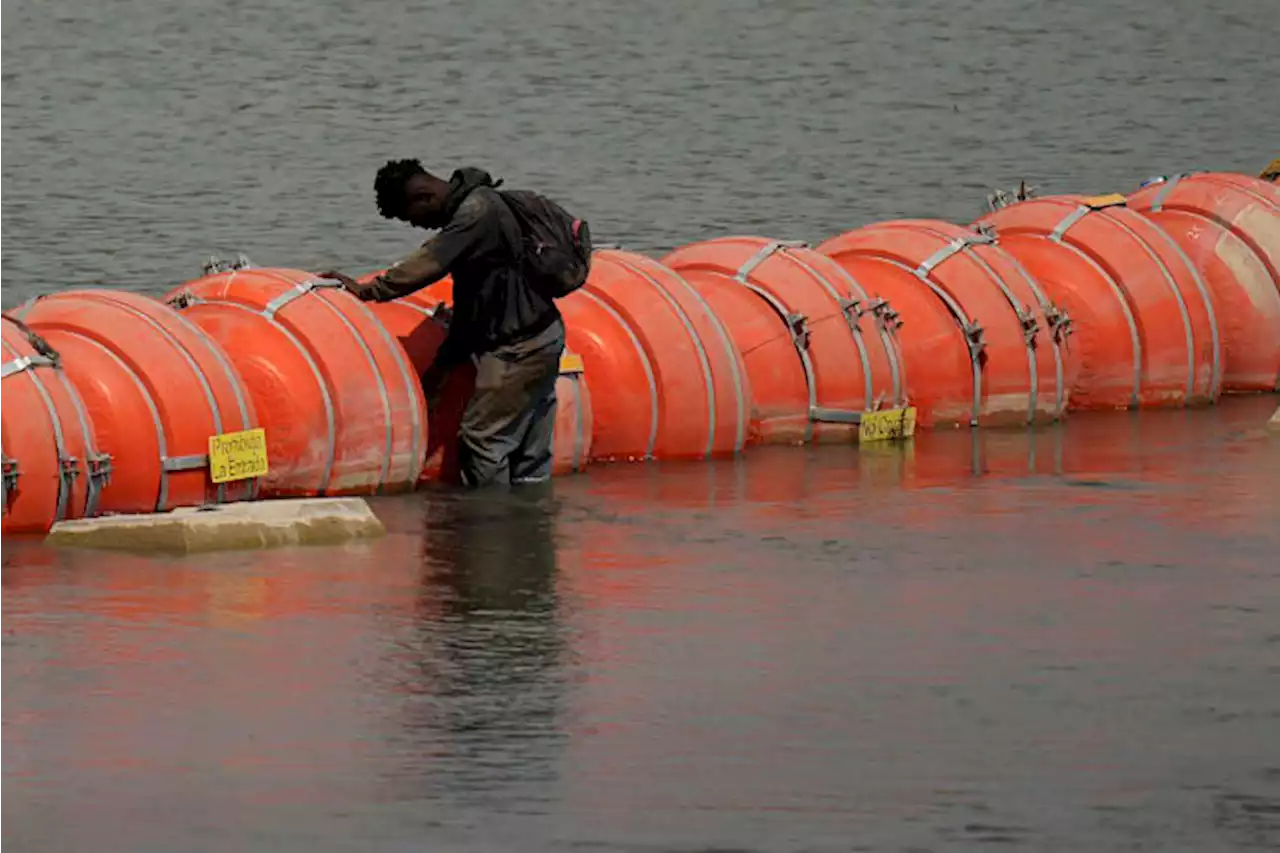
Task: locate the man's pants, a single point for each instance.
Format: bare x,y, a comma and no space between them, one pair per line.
507,428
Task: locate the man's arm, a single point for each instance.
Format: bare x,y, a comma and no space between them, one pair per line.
433,260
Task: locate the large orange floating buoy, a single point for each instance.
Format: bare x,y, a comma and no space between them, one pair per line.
52,468
341,405
817,348
1229,228
982,342
667,379
414,321
1146,327
155,387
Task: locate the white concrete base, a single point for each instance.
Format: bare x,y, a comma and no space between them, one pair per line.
1274,423
259,524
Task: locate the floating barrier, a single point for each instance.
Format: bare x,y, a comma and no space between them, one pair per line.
419,325
982,342
817,348
52,468
1146,326
667,380
118,403
340,403
155,388
1229,228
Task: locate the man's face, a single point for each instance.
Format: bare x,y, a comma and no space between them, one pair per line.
424,202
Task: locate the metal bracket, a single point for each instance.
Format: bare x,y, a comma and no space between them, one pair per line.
39,344
217,265
1001,198
765,252
100,467
798,326
442,314
68,471
1059,322
9,474
852,310
26,362
298,290
834,416
950,250
193,462
1030,326
182,300
973,334
890,320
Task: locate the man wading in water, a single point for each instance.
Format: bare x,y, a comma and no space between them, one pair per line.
511,254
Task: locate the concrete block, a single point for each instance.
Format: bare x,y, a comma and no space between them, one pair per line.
260,524
1274,423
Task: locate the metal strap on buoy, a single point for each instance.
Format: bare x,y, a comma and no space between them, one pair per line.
1058,320
797,325
99,465
1026,319
852,311
735,368
302,288
887,323
1100,203
654,411
232,378
698,346
1059,235
409,378
970,328
187,299
68,465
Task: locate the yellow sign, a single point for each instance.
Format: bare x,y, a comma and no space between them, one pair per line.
571,362
887,425
238,455
1098,201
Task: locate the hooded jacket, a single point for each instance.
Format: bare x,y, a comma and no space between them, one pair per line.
479,246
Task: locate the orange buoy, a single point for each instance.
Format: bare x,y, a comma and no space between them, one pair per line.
1229,228
982,341
52,468
155,387
341,406
667,380
797,317
414,321
1146,324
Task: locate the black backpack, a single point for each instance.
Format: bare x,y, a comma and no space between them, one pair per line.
557,247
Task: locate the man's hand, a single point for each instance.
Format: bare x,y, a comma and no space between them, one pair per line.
349,284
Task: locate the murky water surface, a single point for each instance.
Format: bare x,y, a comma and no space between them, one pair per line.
1067,640
1062,642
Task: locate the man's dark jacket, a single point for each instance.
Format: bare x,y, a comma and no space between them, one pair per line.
479,246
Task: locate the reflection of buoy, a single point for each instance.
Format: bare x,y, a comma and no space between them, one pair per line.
816,346
1144,326
155,386
982,342
340,403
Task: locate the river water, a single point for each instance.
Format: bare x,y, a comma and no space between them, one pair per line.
1062,640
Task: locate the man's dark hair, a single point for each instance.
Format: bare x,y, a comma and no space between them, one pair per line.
390,182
